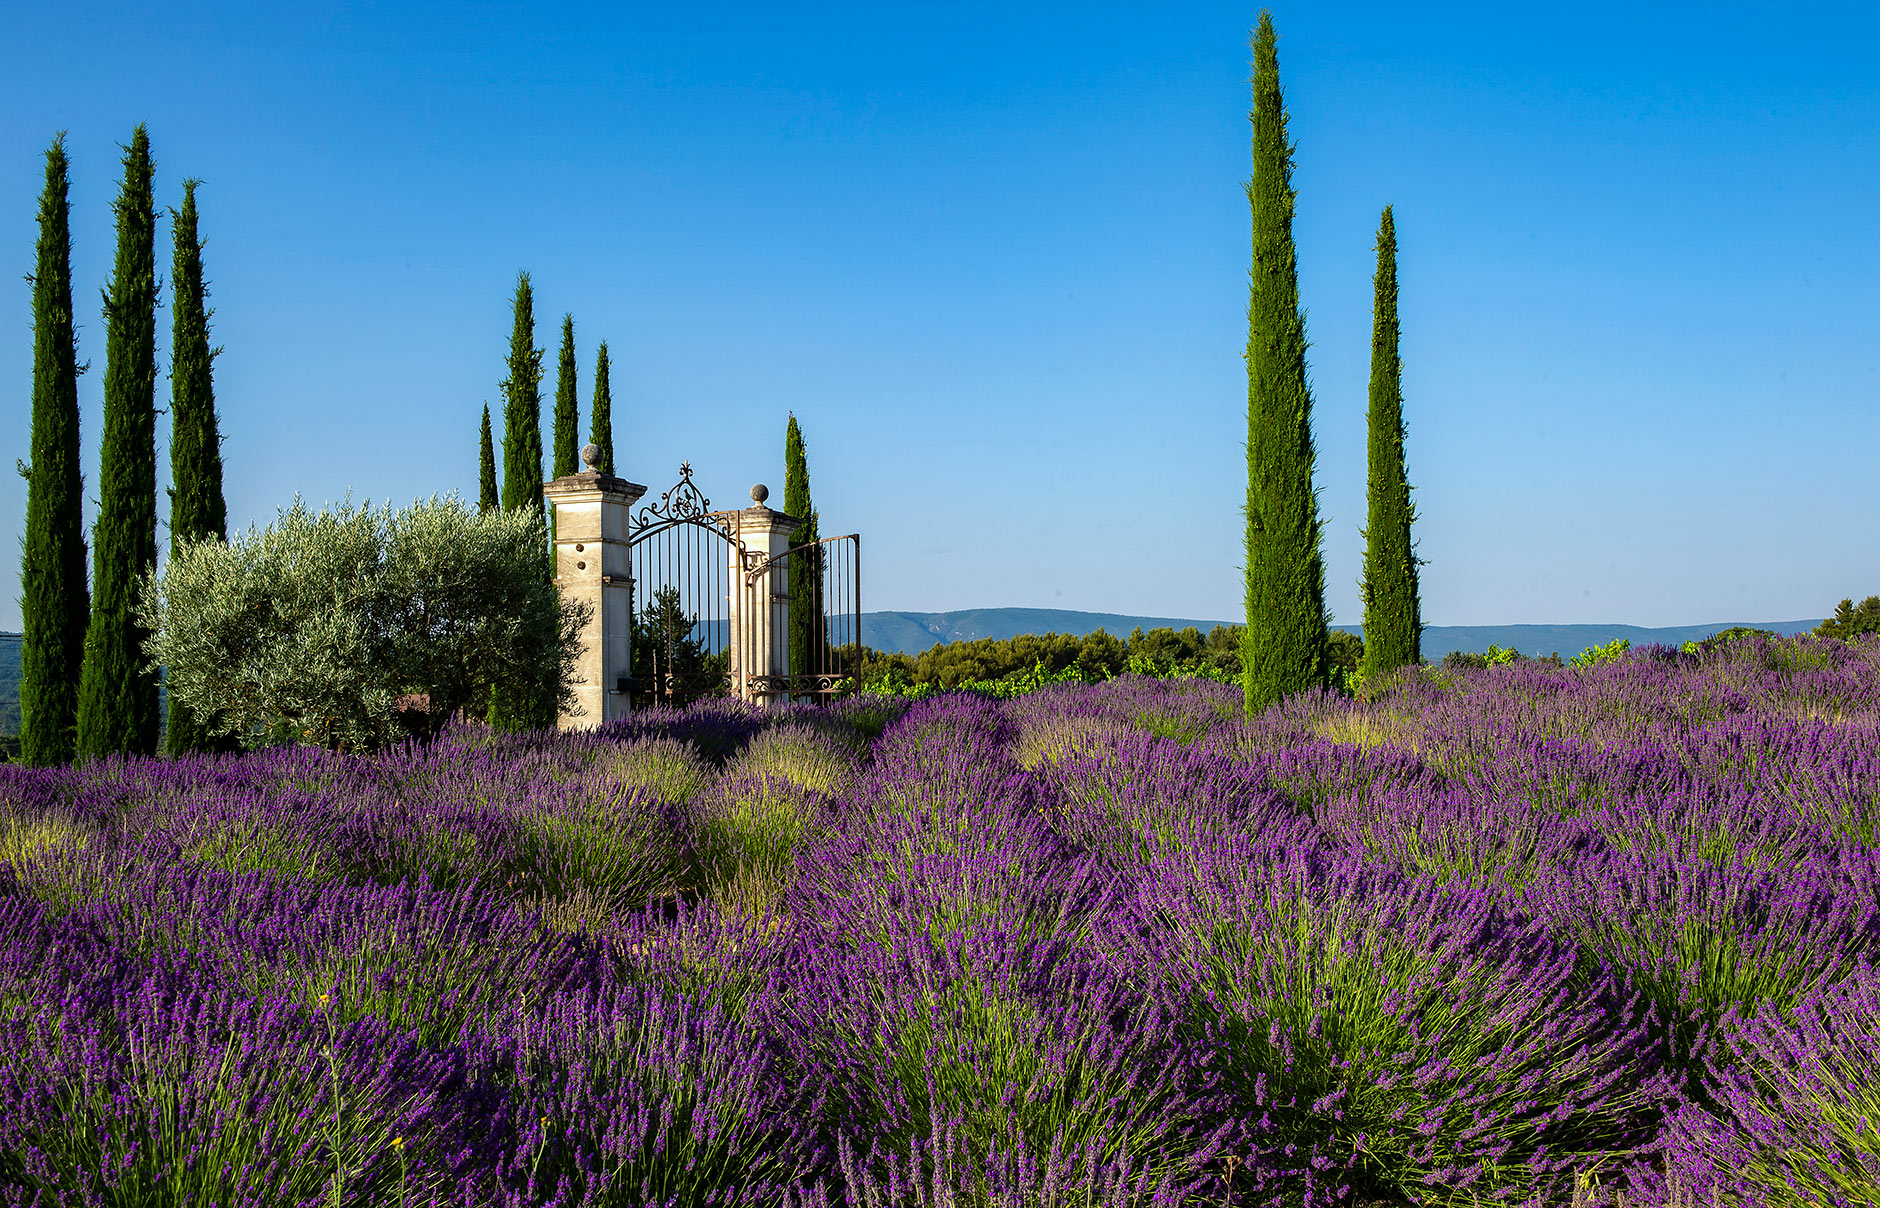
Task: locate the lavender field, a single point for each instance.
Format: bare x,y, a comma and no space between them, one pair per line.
1522,934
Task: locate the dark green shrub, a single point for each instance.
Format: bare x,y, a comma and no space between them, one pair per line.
1850,620
1344,650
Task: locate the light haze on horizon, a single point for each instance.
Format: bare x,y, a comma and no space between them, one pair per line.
995,259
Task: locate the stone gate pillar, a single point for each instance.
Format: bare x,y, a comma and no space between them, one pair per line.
594,563
759,640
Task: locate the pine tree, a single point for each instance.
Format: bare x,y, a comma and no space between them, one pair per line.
487,500
117,699
197,507
1283,645
1393,621
601,430
522,407
54,600
806,620
567,415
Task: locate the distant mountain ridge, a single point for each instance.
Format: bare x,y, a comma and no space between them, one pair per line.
913,632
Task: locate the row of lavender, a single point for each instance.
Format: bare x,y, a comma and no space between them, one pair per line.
1508,935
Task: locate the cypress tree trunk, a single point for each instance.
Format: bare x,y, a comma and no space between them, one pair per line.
117,700
522,407
601,430
807,633
487,500
567,415
197,508
54,600
1393,620
1283,645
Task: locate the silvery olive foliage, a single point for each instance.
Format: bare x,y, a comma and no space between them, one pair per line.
312,629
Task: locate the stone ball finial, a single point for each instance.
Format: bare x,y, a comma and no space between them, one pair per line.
759,493
591,455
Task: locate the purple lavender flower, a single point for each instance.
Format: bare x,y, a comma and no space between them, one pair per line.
1380,1035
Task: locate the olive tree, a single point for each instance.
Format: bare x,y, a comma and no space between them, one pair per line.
315,628
470,604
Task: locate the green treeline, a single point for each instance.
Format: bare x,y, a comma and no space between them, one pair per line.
88,686
1095,656
521,391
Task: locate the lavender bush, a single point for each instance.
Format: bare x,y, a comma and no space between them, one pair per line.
1516,934
637,1093
745,833
1796,1105
1381,1036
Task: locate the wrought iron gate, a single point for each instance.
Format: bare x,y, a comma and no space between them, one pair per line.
682,554
818,634
712,616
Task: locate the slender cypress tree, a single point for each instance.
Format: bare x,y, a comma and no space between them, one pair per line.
522,407
1393,620
806,620
117,699
487,500
522,474
197,508
567,414
1283,645
601,422
54,601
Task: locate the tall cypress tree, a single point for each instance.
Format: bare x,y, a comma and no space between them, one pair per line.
54,600
806,619
117,699
487,500
522,407
197,508
1283,645
567,414
601,422
522,473
1393,619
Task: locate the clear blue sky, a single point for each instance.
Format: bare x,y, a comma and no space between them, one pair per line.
994,257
